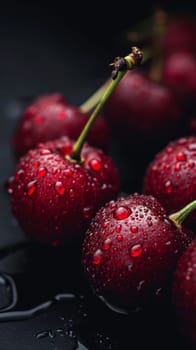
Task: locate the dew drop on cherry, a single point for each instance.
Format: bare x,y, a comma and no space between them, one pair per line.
168,187
118,228
60,189
169,150
31,187
36,165
97,257
136,250
95,164
191,165
71,193
107,244
41,172
119,238
44,152
178,166
19,174
122,213
68,172
134,229
181,156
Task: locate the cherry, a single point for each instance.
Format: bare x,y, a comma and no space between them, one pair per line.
179,35
144,108
49,117
53,198
59,185
130,250
171,175
184,292
179,73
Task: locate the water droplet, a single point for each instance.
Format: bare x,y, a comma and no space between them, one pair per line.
95,164
97,257
31,187
140,285
71,193
60,189
36,165
42,334
192,147
181,156
19,174
169,150
168,187
32,154
87,212
166,167
134,229
158,291
56,170
105,224
118,228
178,166
191,165
119,238
136,250
107,244
122,213
41,171
68,172
168,243
130,266
44,152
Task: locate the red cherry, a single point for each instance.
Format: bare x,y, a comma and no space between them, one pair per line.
130,268
53,198
179,36
143,107
179,72
171,176
63,183
49,117
184,293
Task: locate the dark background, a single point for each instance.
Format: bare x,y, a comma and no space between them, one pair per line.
61,47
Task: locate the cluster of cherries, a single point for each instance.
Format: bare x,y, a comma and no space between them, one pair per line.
133,246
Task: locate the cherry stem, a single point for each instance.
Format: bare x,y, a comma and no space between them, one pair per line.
93,100
120,67
179,217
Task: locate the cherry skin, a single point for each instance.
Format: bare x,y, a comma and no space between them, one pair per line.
184,292
179,73
49,117
130,250
179,36
171,175
143,108
53,198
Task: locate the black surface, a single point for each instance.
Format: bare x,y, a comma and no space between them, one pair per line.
43,50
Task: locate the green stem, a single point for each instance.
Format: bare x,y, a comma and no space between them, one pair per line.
120,65
182,214
92,101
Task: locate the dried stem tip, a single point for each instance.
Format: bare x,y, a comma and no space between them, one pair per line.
127,62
